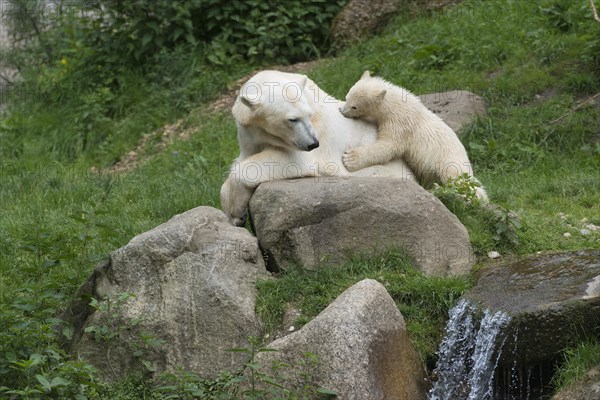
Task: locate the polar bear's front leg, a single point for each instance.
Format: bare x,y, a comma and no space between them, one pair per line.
234,200
245,176
378,153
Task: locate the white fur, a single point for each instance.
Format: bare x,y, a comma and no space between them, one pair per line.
272,147
406,129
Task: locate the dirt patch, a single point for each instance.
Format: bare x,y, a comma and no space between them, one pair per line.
542,97
150,143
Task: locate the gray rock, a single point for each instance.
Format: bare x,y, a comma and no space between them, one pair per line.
362,347
361,17
192,284
313,222
458,108
587,388
553,300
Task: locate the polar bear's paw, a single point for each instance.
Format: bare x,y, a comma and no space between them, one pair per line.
234,200
353,160
235,221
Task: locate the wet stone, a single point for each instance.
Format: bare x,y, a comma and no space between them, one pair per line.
552,299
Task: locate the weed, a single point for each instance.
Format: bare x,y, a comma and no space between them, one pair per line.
491,226
112,329
255,383
463,187
32,366
506,225
577,361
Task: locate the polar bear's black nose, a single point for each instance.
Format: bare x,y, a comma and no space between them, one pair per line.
314,145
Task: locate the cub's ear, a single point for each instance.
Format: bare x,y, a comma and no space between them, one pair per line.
303,81
245,110
381,94
365,75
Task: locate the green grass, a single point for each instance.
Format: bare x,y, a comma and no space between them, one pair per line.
58,218
577,361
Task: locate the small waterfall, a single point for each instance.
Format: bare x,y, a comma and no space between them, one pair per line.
468,355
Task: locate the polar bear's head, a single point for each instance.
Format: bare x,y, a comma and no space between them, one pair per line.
280,109
364,97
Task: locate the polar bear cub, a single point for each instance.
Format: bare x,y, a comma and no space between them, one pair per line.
406,129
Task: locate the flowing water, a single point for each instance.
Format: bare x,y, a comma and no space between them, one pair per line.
469,354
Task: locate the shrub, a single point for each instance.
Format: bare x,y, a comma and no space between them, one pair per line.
275,31
490,225
113,33
32,366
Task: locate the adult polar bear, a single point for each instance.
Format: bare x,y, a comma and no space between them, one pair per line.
289,128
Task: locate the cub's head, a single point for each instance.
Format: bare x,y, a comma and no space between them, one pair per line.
280,108
364,97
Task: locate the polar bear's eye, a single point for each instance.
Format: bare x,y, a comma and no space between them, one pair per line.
293,119
353,107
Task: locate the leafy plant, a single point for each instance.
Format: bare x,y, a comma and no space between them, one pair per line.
564,16
493,221
280,31
463,187
32,366
39,243
186,385
110,35
256,383
507,225
112,330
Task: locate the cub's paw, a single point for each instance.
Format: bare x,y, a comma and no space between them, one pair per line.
352,160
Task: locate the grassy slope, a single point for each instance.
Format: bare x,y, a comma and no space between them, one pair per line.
55,215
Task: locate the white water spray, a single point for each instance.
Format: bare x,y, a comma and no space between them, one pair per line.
468,355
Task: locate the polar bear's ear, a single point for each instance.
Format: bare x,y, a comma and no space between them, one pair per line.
365,75
245,110
246,101
381,94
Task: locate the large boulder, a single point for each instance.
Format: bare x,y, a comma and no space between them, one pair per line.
179,295
362,349
553,300
458,108
312,222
